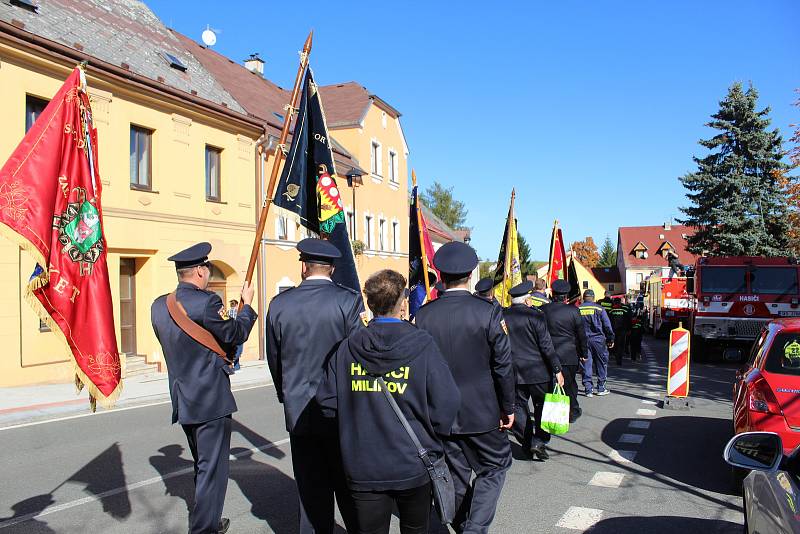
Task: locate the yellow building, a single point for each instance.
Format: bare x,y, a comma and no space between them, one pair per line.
586,278
177,161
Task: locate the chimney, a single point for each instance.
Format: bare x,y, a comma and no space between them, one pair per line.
668,226
254,64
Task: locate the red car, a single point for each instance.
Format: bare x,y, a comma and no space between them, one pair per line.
766,393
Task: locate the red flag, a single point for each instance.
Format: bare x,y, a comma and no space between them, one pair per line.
50,206
429,252
558,257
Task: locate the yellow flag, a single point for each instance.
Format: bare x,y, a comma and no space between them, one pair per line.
509,270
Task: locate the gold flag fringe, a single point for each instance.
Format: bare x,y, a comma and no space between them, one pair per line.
95,395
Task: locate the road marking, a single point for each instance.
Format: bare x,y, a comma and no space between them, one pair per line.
577,518
645,411
640,425
654,393
622,457
631,438
115,410
650,402
125,489
604,479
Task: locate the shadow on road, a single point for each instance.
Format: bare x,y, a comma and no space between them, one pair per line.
25,508
664,525
170,461
103,474
690,449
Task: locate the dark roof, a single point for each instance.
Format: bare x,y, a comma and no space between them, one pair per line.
123,33
651,237
606,275
438,227
260,97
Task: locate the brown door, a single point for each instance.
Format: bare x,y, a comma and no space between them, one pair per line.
127,304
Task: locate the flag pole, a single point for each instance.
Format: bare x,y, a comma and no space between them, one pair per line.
291,110
507,266
421,239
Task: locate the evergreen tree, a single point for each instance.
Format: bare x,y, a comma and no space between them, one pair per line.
440,201
738,205
524,256
608,254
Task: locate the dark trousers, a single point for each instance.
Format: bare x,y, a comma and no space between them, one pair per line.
597,363
210,443
636,346
571,387
530,433
317,464
619,345
373,510
488,455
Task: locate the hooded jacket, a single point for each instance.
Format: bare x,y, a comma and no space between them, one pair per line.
377,453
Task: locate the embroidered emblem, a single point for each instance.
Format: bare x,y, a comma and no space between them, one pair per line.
291,191
364,318
223,312
12,200
503,324
80,232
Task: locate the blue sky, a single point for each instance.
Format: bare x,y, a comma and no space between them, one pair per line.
592,110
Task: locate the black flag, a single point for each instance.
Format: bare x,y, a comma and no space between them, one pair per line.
308,183
574,284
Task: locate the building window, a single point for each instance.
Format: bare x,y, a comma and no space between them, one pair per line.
585,284
639,278
283,227
395,236
351,223
368,232
213,160
141,157
611,287
33,108
382,234
393,166
375,158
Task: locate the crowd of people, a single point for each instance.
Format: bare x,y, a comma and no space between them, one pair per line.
462,376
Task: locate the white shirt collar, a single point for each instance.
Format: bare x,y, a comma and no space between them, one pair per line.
457,289
319,277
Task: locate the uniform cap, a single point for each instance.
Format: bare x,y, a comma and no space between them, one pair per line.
522,289
319,251
561,287
455,258
484,285
192,256
589,293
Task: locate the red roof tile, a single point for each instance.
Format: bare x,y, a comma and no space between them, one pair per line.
345,104
653,237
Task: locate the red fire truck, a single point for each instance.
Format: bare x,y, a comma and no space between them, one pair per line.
736,296
666,302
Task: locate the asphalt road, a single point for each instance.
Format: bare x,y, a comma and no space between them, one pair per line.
618,470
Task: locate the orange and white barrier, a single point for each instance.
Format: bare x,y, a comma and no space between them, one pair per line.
678,371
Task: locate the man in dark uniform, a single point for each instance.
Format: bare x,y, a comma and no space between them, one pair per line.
472,335
485,288
607,301
637,331
535,364
599,336
199,385
539,297
569,339
304,327
620,322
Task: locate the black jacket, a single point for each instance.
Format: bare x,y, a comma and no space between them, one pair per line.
567,332
304,327
199,385
535,359
473,338
377,453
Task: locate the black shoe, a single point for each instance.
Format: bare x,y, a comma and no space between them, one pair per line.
224,524
574,416
540,452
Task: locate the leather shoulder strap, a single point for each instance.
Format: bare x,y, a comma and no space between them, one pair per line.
192,329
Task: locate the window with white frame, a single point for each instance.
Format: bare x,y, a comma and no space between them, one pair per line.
375,158
639,278
393,169
368,232
283,227
382,234
395,236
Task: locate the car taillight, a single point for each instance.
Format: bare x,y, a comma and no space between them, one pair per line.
761,397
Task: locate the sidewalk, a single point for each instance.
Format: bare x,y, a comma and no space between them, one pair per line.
34,403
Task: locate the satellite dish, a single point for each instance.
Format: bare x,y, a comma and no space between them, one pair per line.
209,37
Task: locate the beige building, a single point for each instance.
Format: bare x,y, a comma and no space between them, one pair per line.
184,145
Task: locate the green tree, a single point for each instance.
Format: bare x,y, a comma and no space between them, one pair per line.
608,254
486,269
524,256
737,202
440,201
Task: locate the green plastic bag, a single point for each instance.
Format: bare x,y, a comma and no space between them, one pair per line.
555,414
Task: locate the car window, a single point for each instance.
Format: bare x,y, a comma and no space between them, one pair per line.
774,280
723,280
758,344
784,354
